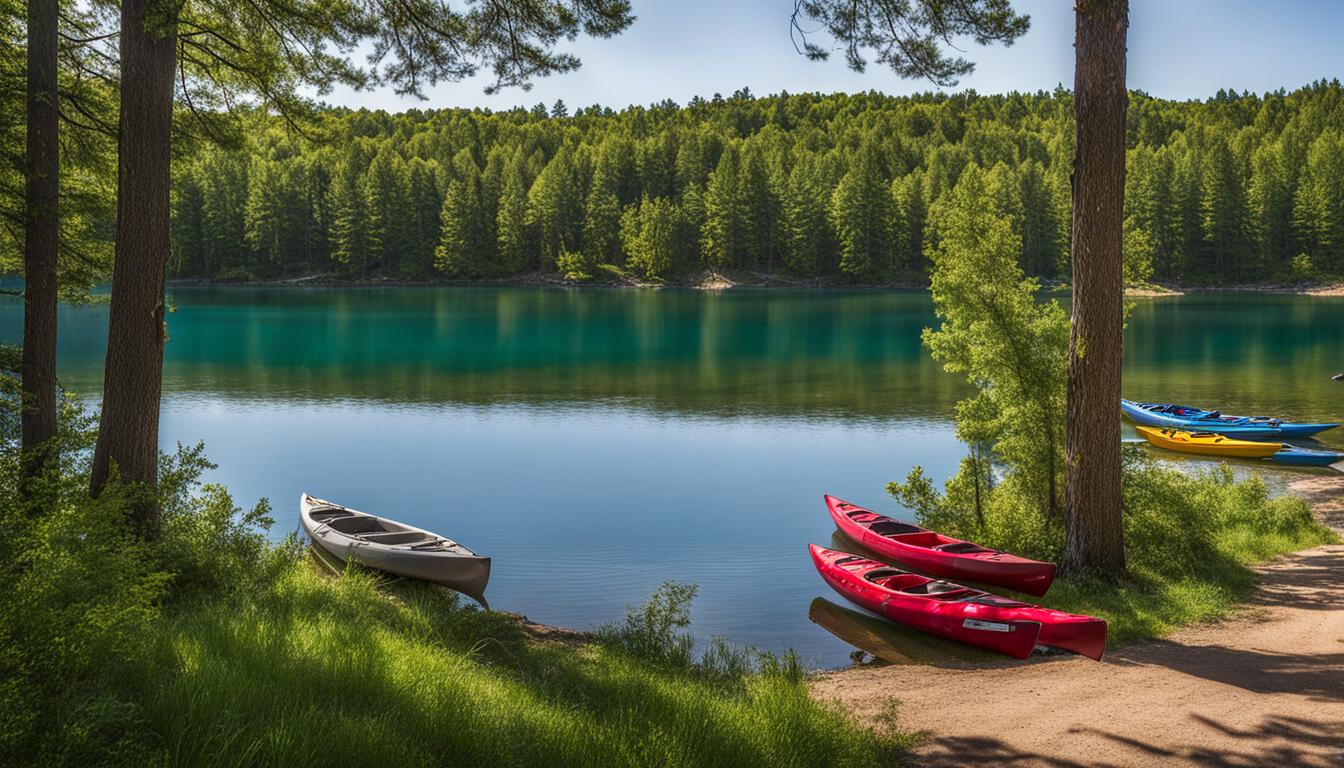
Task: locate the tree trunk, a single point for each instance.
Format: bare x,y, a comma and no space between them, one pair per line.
128,436
1095,528
40,243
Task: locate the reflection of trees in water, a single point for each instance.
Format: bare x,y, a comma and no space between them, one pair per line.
843,354
756,352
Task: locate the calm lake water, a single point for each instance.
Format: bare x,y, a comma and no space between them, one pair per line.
598,442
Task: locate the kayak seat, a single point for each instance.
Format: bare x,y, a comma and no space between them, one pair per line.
893,528
897,581
962,548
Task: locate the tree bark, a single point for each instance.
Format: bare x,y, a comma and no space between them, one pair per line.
1095,527
40,244
128,435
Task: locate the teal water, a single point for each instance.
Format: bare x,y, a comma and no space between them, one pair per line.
598,442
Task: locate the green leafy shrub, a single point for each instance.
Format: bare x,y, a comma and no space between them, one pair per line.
657,630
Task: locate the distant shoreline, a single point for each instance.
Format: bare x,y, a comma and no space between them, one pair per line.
716,281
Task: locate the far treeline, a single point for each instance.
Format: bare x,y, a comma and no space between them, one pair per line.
1234,189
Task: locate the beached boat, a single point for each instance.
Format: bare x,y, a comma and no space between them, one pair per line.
1208,443
938,554
394,547
1172,416
956,612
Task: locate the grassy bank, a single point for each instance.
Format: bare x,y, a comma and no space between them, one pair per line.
320,672
214,647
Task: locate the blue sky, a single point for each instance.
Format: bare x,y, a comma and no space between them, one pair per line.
680,48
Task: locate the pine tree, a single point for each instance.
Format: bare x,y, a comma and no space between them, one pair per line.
862,213
658,249
602,219
725,231
349,226
808,247
514,243
1042,252
188,228
1270,203
385,185
760,205
1318,207
554,211
1222,208
423,221
911,210
462,234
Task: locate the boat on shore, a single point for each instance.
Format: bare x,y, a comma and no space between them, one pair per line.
1207,443
1213,444
957,612
937,554
1184,417
397,548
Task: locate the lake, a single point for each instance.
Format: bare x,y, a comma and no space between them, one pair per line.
598,442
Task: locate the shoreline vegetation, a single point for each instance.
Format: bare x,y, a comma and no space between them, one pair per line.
724,281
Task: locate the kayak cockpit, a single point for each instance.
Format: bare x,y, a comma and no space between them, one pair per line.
914,584
937,541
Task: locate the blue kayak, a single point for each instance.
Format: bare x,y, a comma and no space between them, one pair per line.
1188,418
1306,457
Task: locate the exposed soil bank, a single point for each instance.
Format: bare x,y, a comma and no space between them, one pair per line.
1265,688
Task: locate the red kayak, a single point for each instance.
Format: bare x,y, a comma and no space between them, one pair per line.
956,612
938,554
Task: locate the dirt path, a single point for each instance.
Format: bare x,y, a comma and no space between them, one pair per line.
1264,689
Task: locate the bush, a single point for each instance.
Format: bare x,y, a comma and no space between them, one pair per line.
84,595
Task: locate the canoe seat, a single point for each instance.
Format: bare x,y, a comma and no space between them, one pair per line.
356,524
397,537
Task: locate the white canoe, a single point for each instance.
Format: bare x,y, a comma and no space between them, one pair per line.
397,548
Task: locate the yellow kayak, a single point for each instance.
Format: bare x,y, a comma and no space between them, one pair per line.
1208,443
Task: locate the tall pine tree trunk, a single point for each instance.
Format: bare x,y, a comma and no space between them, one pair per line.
129,432
41,240
1095,529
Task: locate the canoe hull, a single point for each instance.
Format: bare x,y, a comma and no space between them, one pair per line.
1008,627
461,570
989,567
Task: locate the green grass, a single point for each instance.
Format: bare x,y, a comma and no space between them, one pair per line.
316,671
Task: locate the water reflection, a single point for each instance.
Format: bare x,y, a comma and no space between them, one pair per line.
891,642
771,353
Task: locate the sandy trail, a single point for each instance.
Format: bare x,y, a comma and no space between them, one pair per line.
1263,689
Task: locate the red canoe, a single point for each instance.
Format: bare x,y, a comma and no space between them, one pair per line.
938,554
956,612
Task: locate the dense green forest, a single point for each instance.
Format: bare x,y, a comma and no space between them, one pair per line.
1236,188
